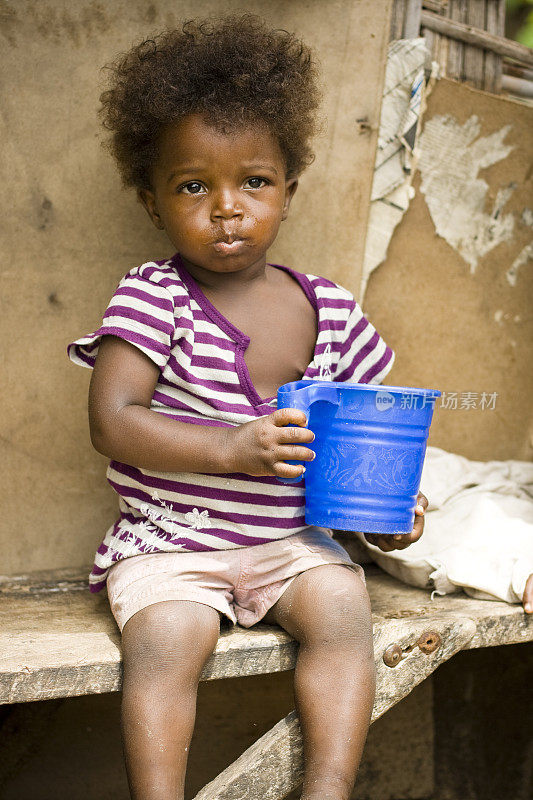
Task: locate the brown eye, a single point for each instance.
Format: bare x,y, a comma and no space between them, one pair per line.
191,188
255,183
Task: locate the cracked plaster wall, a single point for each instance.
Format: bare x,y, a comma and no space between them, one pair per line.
69,232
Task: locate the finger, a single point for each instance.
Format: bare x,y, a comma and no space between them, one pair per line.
403,540
421,503
283,470
385,543
286,435
527,598
418,529
380,540
289,416
294,453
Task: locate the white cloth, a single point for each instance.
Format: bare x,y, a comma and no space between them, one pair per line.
478,534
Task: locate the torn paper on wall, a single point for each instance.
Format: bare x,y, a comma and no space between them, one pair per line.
400,112
450,159
526,254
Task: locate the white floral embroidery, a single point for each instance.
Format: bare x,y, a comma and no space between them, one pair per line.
325,363
157,499
167,526
145,527
143,536
151,513
198,520
138,530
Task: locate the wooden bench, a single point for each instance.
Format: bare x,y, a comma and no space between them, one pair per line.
57,640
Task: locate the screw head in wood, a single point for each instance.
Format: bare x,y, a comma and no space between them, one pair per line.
429,641
393,655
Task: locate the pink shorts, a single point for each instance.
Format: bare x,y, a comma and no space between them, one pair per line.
242,583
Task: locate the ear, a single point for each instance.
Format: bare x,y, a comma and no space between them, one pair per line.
290,187
147,198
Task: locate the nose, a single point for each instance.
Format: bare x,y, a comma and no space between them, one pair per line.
226,204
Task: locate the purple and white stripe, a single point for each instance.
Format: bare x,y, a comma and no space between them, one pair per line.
204,380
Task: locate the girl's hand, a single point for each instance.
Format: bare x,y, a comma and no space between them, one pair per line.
262,446
399,541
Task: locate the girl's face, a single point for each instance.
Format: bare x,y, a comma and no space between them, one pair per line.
220,197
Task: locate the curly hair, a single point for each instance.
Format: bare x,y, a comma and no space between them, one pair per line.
233,70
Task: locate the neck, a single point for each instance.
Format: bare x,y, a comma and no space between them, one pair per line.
242,280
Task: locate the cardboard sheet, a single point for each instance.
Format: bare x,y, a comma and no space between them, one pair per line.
455,293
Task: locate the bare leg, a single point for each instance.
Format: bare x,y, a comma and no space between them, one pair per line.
328,611
165,647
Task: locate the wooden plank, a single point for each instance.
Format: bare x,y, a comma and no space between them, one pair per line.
395,683
56,642
436,44
439,53
474,57
516,71
516,86
456,11
431,41
479,38
411,20
67,579
273,766
269,769
438,6
496,623
397,16
495,23
66,644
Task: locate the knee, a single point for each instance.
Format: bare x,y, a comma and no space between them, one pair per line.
340,616
170,638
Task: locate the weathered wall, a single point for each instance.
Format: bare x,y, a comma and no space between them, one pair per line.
69,232
455,293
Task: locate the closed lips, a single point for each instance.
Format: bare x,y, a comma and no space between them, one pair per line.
228,245
228,239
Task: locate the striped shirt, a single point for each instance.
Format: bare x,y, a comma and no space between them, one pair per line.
204,380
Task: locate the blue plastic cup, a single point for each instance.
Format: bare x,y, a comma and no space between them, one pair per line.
370,446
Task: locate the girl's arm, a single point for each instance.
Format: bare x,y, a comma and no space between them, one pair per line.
124,428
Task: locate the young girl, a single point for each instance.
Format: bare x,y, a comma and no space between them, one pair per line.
211,124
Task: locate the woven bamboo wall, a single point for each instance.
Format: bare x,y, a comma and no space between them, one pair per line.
463,62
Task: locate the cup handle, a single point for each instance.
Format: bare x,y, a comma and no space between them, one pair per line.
323,391
302,400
